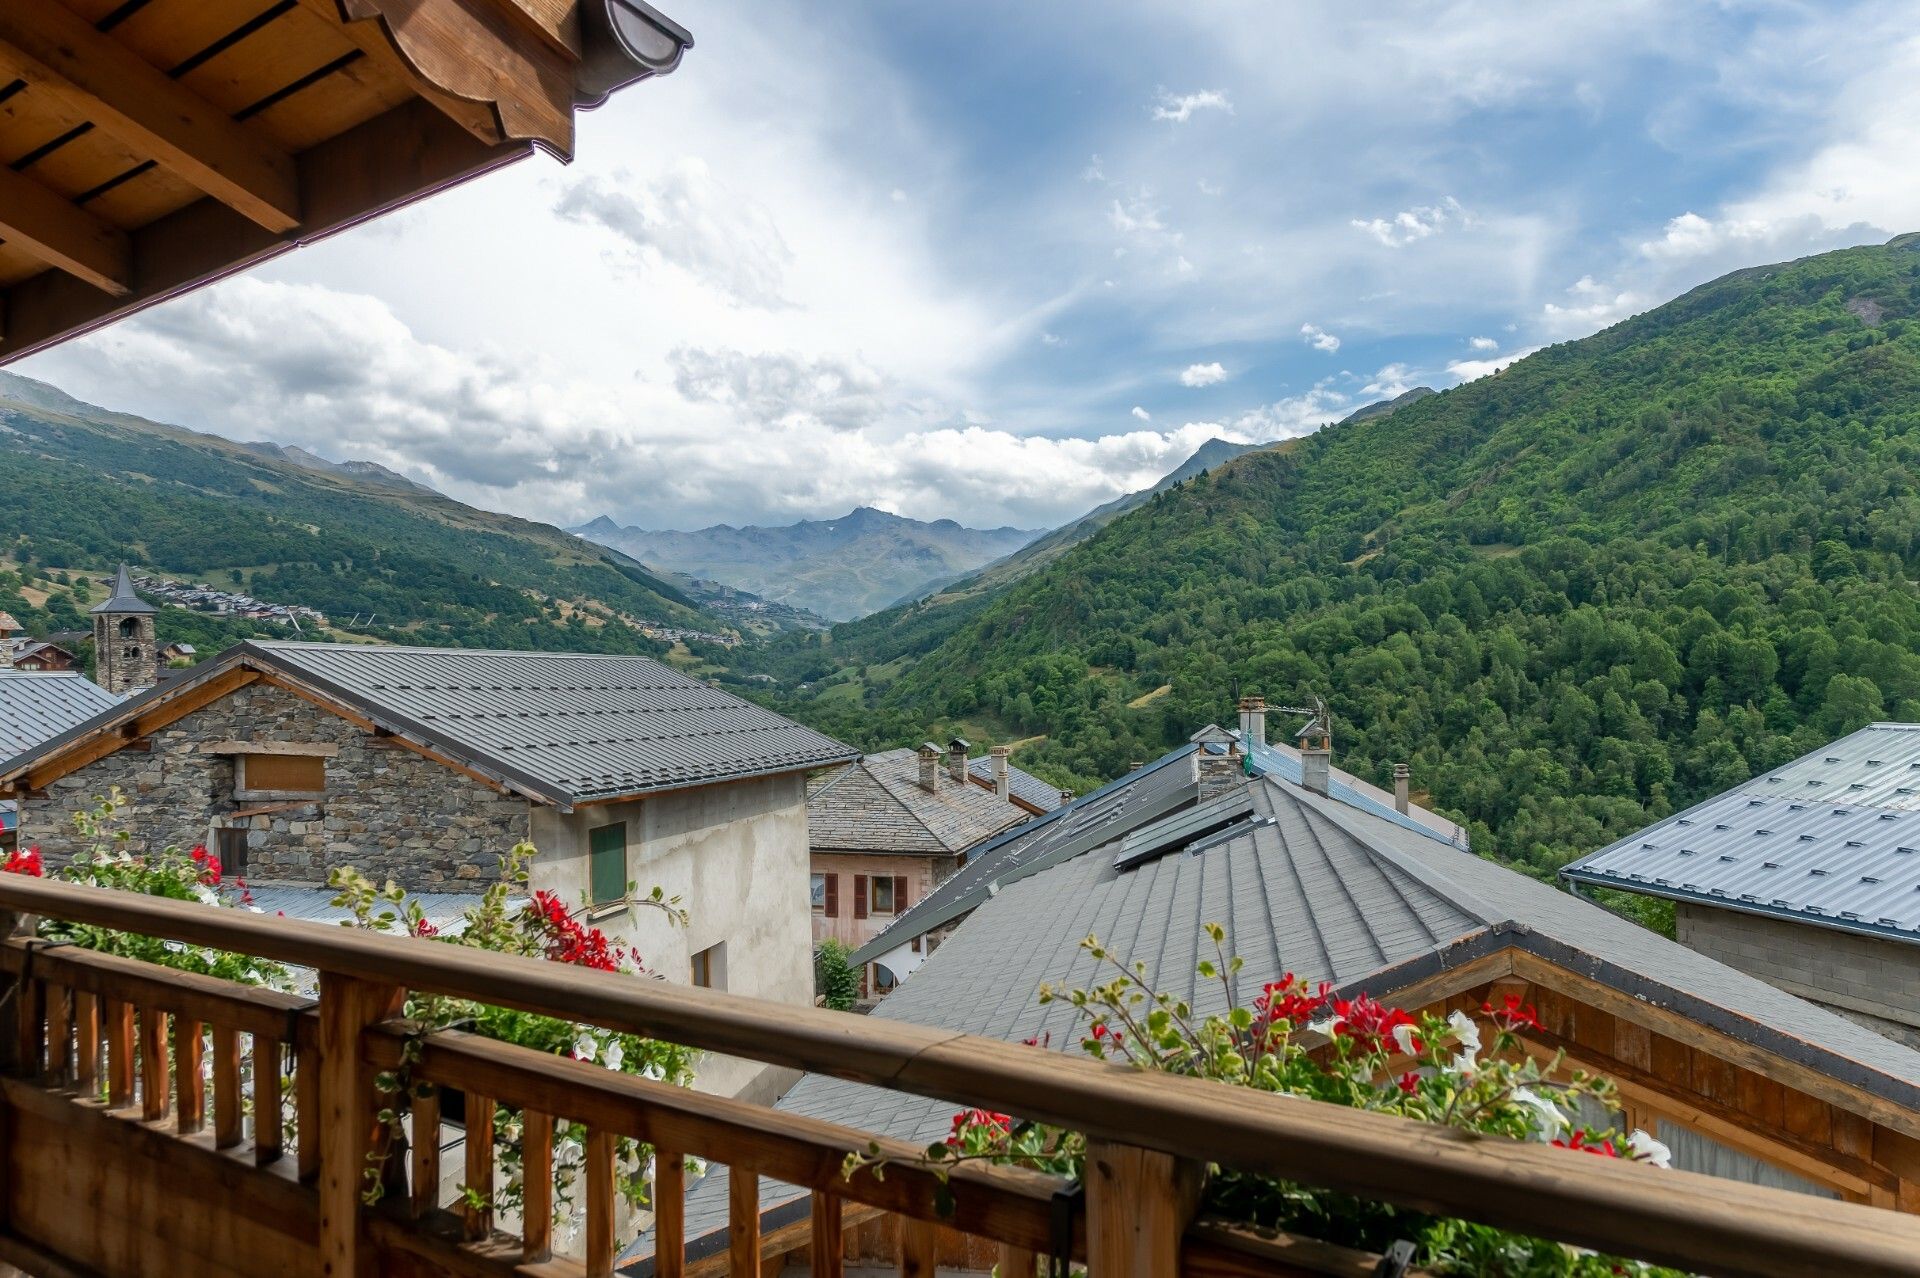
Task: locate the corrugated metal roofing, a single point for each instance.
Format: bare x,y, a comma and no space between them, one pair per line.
1284,762
1317,888
39,707
1170,833
1089,821
567,727
1831,839
445,910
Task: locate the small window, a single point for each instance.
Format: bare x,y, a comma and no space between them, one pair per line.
819,890
232,851
284,773
607,850
710,967
880,899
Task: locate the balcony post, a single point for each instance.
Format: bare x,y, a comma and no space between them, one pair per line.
348,1008
1139,1203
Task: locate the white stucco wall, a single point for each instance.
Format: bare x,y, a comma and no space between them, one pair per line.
736,856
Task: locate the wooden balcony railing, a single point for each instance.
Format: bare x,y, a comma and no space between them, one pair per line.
109,1164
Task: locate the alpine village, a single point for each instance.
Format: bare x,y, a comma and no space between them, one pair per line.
1476,831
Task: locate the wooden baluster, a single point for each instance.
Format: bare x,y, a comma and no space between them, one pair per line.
155,1085
1139,1203
306,1112
743,1223
59,1013
189,1070
826,1248
536,1159
479,1177
425,1177
86,1031
30,1028
340,1125
920,1247
1015,1262
602,1147
669,1213
121,1051
269,1113
228,1127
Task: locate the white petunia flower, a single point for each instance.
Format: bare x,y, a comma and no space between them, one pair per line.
614,1055
1404,1040
585,1048
1643,1148
1552,1119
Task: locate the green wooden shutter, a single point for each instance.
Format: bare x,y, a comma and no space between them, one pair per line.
608,848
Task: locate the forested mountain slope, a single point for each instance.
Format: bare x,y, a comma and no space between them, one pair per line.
87,488
1619,576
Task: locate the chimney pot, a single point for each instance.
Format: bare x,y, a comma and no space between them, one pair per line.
957,759
930,768
1401,775
1002,781
1066,797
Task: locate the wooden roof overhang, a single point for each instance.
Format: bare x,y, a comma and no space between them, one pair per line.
151,146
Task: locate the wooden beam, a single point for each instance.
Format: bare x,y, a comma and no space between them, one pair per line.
409,152
477,118
118,736
64,235
347,1009
56,50
1139,1204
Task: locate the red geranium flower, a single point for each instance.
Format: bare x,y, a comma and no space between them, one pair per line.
1578,1141
27,863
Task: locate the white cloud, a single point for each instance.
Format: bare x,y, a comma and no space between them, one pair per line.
1390,382
1691,235
782,389
1593,306
686,219
1483,343
1409,225
1467,370
898,196
1287,418
1319,338
1141,414
1050,339
1203,375
1135,217
1179,107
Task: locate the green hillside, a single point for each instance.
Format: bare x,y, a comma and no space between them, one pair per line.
87,488
1625,573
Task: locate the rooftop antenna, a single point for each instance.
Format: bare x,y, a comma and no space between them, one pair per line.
1318,729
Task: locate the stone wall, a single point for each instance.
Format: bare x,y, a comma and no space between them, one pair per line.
1872,981
389,811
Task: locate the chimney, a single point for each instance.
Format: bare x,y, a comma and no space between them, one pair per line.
1220,773
1253,722
1400,775
1316,748
957,759
1002,784
1136,765
930,767
1066,797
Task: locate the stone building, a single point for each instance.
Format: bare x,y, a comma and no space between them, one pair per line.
426,765
1807,876
884,831
125,655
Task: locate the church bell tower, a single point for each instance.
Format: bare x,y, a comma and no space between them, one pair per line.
124,655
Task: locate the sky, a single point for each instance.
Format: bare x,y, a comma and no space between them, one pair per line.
1001,262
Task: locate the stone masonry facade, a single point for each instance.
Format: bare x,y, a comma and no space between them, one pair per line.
1866,979
387,810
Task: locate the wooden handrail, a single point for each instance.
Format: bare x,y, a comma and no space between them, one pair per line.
1675,1218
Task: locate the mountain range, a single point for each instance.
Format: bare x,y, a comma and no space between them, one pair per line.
1575,595
838,568
87,488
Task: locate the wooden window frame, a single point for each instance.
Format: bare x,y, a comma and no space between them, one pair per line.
709,967
244,781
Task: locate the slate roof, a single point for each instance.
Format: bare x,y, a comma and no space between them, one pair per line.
1283,761
561,728
878,805
1142,795
1309,885
1831,839
1022,785
123,598
39,707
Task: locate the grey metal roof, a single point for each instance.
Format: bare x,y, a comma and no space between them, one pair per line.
1283,761
878,805
445,910
1831,839
1315,887
1089,821
1021,784
562,728
39,707
123,599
